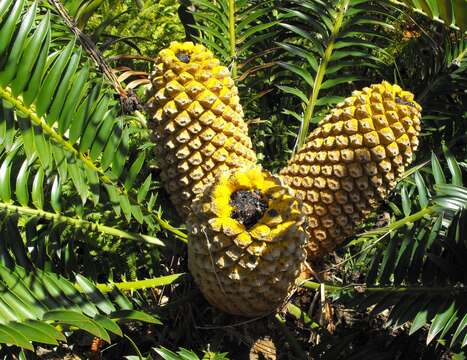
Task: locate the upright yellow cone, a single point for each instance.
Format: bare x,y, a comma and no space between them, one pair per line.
246,242
197,121
352,160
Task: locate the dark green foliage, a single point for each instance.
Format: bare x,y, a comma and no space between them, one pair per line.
451,13
73,171
415,266
123,27
34,302
184,354
332,45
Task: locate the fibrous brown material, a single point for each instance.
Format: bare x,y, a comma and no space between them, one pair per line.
197,121
352,160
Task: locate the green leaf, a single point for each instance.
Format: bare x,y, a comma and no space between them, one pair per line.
134,170
11,66
302,73
30,55
120,154
166,354
55,195
440,321
4,5
422,191
406,204
460,328
91,130
90,290
78,320
59,156
33,333
453,166
112,144
77,176
76,93
294,91
143,190
15,337
125,206
43,62
47,329
135,315
63,88
387,265
8,27
51,81
42,147
5,178
108,324
424,315
38,189
83,112
437,170
103,135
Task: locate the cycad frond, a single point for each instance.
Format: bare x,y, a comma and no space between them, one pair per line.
232,27
452,13
34,302
184,354
416,265
330,44
67,117
440,84
441,75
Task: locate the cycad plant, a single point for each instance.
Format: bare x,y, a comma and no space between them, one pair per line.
84,224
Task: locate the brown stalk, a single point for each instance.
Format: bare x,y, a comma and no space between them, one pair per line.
128,100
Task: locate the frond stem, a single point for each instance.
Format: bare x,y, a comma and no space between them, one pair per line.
404,221
79,223
6,94
310,106
361,288
129,101
138,284
232,38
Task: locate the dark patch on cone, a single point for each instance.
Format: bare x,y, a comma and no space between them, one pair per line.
404,102
183,57
248,206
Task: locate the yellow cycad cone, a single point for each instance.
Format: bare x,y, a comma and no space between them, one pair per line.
352,160
246,243
197,121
